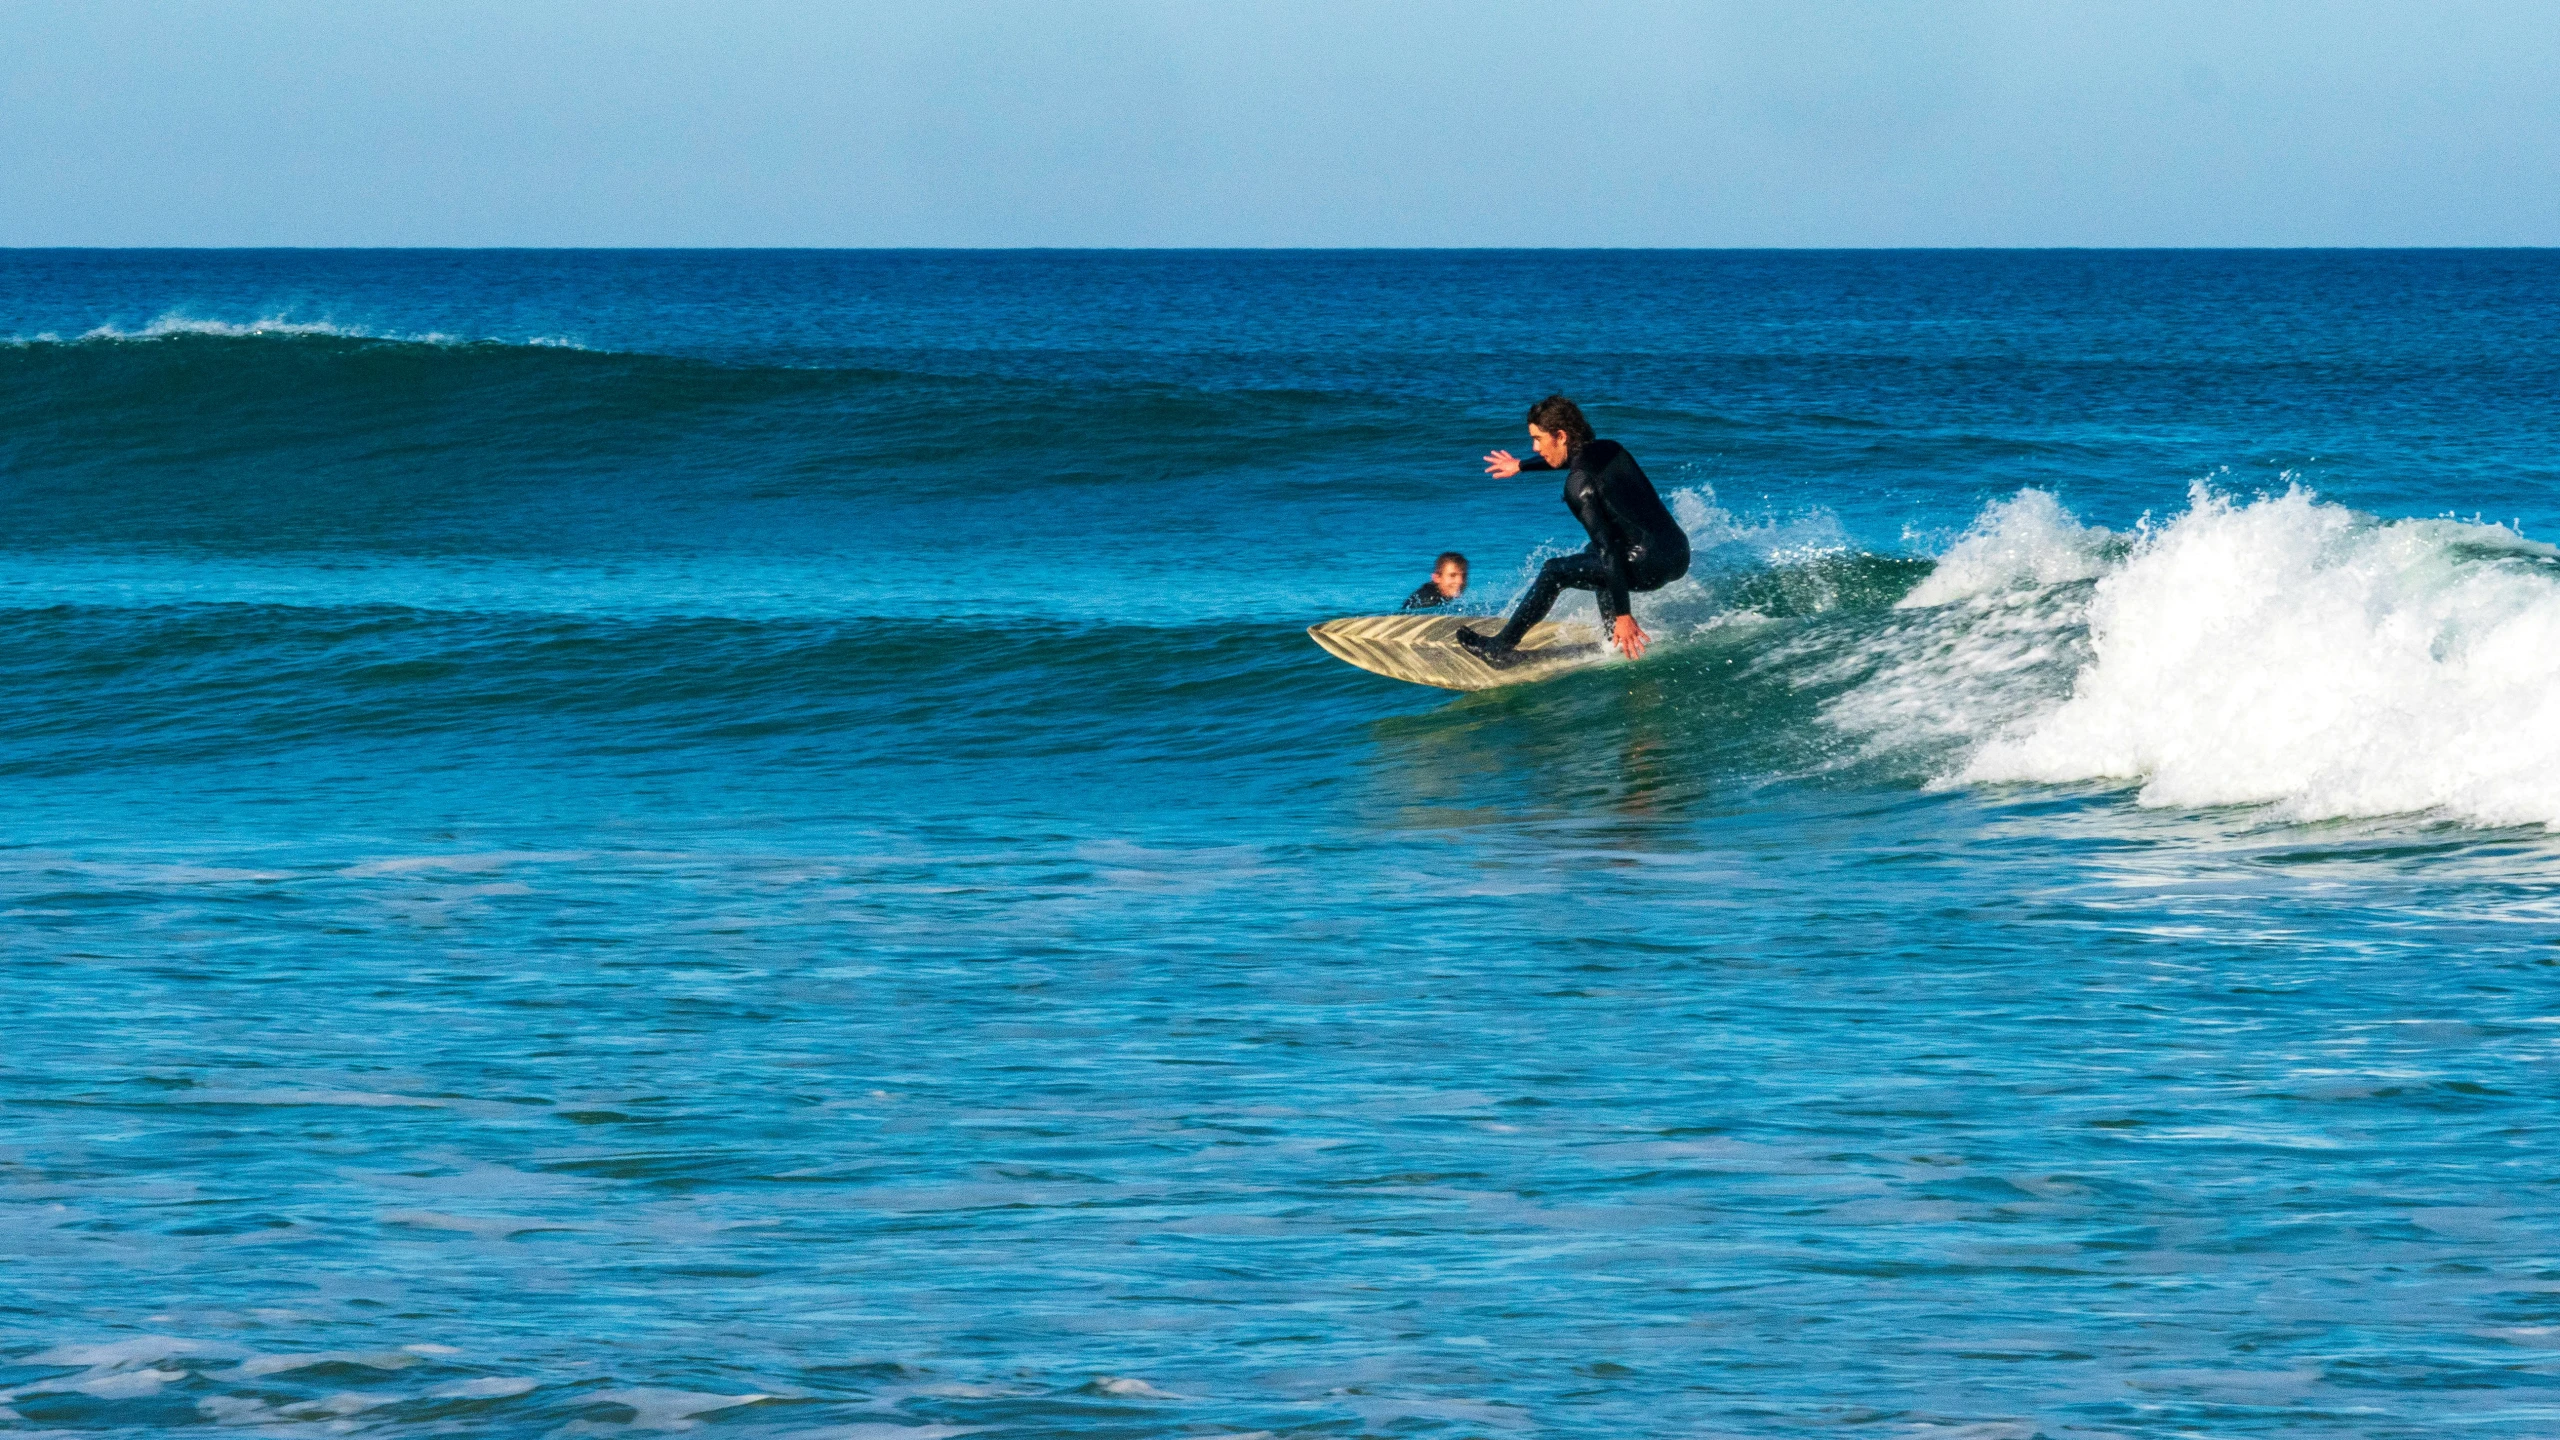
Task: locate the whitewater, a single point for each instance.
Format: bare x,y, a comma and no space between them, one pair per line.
2277,651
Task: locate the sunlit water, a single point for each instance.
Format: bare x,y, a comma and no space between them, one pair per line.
609,844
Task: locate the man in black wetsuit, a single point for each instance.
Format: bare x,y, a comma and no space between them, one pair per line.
1635,544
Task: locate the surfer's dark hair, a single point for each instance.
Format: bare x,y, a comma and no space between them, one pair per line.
1558,414
1450,557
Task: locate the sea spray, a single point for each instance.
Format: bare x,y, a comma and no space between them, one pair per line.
1987,636
2026,541
2290,652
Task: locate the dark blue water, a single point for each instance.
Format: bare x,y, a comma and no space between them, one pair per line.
607,843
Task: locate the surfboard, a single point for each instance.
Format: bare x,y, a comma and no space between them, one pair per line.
1424,649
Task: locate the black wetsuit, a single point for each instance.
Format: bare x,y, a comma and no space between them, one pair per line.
1426,598
1635,544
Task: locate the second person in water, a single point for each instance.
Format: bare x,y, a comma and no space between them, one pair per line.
1635,544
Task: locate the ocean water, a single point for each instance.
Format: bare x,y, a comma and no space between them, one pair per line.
620,843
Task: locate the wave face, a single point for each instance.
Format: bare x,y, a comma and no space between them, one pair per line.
613,843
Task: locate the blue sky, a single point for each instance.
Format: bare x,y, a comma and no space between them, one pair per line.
1145,122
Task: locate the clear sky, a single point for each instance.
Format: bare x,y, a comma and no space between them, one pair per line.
1310,122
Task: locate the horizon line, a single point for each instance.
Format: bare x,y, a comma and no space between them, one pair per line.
1301,249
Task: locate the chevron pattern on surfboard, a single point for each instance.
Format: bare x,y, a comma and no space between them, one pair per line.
1424,650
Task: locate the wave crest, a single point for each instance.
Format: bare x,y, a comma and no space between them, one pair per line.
175,325
2291,653
2027,540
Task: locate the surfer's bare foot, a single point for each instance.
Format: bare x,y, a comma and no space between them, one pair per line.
1489,649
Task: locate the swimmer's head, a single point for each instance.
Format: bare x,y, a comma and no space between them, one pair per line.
1557,429
1449,574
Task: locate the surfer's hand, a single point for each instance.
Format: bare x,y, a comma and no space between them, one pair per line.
1630,640
1500,465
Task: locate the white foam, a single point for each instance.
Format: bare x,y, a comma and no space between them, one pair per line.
174,324
2026,541
2293,654
128,1384
1934,680
120,1354
336,1407
1979,646
165,326
1130,1387
1718,544
1705,521
122,1369
236,1410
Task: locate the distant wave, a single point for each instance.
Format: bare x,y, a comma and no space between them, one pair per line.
109,686
171,325
228,434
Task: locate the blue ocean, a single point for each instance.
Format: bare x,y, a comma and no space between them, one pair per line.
614,843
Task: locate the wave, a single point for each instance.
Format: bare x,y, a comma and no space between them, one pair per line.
2282,652
242,436
104,686
173,325
2293,654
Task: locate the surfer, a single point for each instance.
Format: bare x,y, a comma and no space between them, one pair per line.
1448,581
1635,544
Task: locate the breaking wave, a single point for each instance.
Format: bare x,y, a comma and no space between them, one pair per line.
175,325
2283,652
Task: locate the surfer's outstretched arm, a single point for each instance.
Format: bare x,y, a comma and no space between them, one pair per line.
1502,464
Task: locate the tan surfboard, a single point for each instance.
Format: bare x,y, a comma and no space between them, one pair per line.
1424,649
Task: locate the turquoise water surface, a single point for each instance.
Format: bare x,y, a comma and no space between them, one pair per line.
612,843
